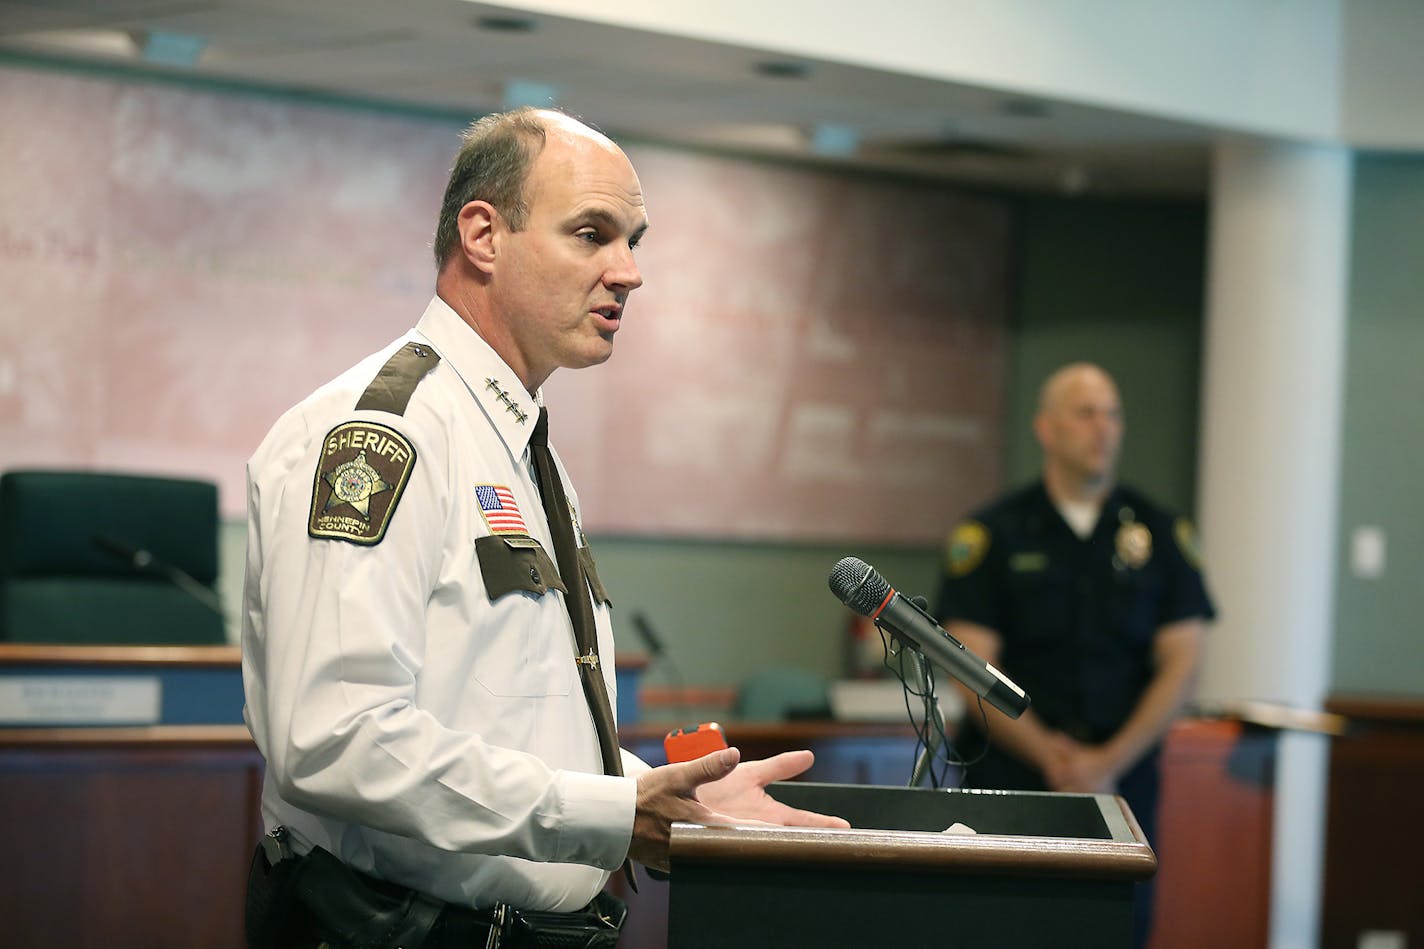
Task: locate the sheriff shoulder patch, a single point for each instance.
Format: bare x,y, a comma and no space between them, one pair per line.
967,546
360,475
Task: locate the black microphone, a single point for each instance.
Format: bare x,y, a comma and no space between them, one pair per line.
645,632
858,585
145,562
137,557
657,652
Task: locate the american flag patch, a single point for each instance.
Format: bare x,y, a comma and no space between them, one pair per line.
499,509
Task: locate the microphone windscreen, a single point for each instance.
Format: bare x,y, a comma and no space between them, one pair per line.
857,584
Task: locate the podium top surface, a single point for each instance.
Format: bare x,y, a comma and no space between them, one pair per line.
1019,833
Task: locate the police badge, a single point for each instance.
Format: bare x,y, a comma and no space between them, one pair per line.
1134,545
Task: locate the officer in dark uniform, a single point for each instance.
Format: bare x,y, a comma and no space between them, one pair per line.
1091,598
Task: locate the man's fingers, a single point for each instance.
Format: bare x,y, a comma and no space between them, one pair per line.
799,818
782,767
780,816
713,767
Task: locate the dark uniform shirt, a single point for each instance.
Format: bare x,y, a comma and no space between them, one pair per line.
1076,617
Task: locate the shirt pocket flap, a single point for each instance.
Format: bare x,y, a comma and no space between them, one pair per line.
590,570
507,569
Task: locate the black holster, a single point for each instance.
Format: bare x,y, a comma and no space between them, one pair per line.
355,911
272,918
298,902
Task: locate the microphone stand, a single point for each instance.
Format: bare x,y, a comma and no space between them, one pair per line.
932,740
198,591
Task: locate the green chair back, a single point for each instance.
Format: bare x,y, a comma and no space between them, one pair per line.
63,578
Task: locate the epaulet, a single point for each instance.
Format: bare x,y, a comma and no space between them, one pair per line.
393,386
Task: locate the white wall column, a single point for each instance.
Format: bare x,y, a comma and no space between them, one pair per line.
1269,474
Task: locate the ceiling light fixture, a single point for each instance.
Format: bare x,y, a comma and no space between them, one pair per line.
506,24
782,69
104,42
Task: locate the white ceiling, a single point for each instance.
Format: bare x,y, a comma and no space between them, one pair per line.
447,55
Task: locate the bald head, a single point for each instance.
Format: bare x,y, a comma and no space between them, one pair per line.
496,157
1079,425
1071,378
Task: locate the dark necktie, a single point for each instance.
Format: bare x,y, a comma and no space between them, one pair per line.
561,525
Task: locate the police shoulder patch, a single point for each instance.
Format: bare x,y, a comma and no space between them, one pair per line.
967,546
360,474
1186,535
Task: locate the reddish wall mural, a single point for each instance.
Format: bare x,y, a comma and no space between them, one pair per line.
814,356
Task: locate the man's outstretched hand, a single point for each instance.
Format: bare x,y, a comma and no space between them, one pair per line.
743,792
715,789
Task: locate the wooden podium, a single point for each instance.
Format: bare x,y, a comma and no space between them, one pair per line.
1042,869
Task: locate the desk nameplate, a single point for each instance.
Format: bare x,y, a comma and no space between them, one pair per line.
80,700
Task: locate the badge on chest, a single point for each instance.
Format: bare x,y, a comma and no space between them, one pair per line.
1133,545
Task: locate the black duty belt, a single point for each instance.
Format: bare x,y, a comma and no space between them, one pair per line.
310,900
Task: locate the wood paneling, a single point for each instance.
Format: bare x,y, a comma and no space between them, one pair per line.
135,837
1214,837
1374,833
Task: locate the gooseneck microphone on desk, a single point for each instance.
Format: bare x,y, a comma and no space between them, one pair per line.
144,561
860,587
657,652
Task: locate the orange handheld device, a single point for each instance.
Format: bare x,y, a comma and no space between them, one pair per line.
683,745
